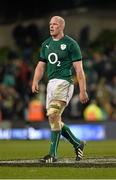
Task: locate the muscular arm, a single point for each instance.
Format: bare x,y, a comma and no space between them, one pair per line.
39,70
78,66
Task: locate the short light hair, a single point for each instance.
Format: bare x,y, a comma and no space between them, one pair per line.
61,20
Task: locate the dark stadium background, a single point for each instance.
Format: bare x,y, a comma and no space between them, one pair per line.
27,40
11,11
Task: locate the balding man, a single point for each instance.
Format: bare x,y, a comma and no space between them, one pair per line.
59,53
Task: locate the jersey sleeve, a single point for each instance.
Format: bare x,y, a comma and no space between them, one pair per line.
42,54
75,52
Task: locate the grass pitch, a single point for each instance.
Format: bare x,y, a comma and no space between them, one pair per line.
99,160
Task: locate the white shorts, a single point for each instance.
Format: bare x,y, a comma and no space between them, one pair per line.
58,89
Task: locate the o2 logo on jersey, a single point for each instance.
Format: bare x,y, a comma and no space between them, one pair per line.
53,58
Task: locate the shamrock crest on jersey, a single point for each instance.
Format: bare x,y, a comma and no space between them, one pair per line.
63,46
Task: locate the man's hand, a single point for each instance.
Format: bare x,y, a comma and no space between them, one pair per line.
83,96
35,87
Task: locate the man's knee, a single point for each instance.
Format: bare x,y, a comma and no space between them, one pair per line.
55,108
53,116
55,121
54,113
55,124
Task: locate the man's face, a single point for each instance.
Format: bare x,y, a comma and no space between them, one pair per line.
55,27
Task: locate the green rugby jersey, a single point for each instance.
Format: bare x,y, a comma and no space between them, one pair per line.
59,56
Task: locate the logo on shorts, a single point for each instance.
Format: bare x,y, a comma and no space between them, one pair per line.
63,46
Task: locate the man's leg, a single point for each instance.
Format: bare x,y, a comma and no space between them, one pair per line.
54,114
55,123
77,143
66,132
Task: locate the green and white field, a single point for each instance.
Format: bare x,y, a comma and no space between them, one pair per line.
97,152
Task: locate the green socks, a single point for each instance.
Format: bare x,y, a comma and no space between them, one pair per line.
66,132
55,136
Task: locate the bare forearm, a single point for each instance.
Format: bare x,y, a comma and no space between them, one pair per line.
80,75
37,74
39,70
81,80
82,86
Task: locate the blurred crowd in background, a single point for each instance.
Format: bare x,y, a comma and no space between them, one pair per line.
16,72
